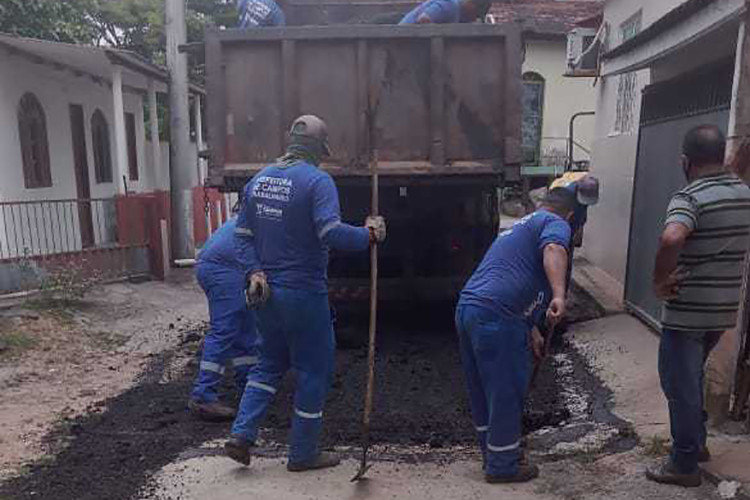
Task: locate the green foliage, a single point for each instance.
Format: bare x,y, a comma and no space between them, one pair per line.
136,25
13,343
67,285
58,20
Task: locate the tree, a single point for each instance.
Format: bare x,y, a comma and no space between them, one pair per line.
136,25
58,20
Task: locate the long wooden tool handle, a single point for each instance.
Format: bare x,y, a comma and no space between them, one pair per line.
373,298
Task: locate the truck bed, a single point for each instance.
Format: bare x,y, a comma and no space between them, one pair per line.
435,101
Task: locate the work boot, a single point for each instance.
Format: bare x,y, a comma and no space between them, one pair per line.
526,472
238,449
211,412
322,461
666,473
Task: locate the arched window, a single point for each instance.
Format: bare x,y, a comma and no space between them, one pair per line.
100,141
32,131
533,114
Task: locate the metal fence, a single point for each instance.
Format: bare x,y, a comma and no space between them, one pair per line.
703,98
49,227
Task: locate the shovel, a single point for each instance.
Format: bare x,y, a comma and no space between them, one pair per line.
363,466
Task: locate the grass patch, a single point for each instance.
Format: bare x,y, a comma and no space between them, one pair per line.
656,446
14,343
106,340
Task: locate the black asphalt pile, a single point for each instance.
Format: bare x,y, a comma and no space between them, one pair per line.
420,397
115,449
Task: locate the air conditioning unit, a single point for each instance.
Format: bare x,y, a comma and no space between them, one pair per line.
583,51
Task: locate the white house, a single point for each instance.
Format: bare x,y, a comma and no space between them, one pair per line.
551,100
665,66
74,121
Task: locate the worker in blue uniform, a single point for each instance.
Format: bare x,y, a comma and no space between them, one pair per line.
289,219
260,13
447,12
232,336
522,272
586,189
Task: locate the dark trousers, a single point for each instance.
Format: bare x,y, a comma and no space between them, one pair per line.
682,359
296,333
497,365
232,337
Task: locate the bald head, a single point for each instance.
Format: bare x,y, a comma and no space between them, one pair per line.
704,146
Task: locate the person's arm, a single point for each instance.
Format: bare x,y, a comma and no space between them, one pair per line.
435,12
682,218
554,242
244,238
327,218
667,275
556,269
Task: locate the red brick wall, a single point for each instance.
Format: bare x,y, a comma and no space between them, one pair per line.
218,213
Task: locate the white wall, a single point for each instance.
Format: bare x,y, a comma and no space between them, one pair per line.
158,177
56,90
617,12
563,96
613,162
614,154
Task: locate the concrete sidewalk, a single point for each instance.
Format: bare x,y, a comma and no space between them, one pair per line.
624,353
612,477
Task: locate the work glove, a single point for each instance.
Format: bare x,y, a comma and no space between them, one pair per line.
376,225
257,291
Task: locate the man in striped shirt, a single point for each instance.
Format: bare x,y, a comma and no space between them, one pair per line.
698,273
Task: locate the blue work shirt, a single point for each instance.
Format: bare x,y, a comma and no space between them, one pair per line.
259,13
290,218
220,248
439,12
511,279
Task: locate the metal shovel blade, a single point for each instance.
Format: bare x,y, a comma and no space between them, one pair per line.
363,468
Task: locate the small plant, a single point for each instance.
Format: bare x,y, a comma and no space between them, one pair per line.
28,271
68,284
656,446
12,343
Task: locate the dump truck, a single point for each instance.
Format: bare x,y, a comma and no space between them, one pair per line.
438,107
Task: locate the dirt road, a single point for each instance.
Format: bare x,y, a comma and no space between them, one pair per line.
63,360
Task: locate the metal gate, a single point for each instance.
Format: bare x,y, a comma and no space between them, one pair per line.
669,110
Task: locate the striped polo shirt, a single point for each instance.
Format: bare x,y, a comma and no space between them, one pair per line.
717,211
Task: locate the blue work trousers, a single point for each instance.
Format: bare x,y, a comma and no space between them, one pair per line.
497,365
296,332
682,358
232,337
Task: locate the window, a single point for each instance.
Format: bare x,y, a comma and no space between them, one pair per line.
533,111
132,148
102,154
626,96
628,83
631,27
32,131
